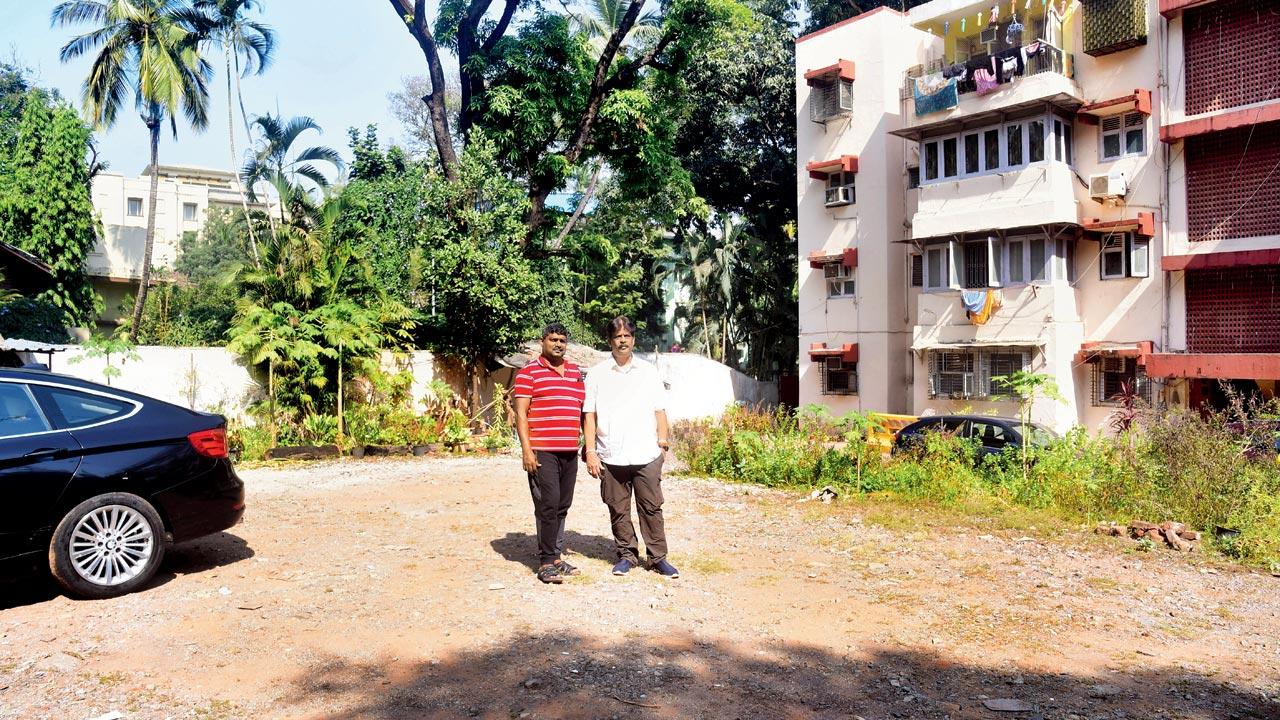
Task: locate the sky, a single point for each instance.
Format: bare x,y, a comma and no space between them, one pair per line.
336,61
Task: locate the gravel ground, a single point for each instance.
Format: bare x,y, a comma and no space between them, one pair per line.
404,588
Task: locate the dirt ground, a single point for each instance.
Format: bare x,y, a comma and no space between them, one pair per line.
404,589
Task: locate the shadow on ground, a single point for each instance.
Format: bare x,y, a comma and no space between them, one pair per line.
523,547
31,584
679,676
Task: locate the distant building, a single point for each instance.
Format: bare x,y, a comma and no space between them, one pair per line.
1082,189
183,198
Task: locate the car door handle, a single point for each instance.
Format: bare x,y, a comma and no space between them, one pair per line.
43,454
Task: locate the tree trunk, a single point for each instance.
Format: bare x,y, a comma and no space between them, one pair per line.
414,15
577,212
231,135
339,395
153,127
271,395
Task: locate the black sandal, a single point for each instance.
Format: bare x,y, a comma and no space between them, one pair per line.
567,569
549,574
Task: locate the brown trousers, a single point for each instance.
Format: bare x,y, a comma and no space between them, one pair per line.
616,485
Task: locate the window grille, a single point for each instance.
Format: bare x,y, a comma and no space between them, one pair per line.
1110,374
830,98
839,377
971,373
917,271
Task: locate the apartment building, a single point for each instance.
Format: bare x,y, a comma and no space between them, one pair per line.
1087,189
184,196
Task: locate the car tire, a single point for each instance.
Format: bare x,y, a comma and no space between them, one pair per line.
107,546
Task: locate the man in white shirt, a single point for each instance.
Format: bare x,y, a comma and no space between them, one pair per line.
626,431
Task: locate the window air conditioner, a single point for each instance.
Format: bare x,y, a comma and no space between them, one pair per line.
834,363
987,36
1108,186
837,196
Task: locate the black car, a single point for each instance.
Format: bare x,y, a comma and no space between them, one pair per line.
994,434
100,480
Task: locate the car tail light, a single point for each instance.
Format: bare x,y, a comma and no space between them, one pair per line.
210,443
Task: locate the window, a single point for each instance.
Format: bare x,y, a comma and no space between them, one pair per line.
1035,141
997,149
134,207
989,434
991,150
971,373
19,414
937,268
840,189
1013,144
917,271
913,178
189,212
839,278
1113,375
1125,255
1017,261
839,377
976,272
830,98
1034,260
78,409
1038,270
972,153
1123,135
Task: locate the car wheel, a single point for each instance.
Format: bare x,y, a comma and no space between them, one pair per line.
107,546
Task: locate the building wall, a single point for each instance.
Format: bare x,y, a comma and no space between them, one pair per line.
1061,316
881,46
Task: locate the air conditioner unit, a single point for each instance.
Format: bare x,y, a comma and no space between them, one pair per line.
1110,185
988,35
837,196
834,363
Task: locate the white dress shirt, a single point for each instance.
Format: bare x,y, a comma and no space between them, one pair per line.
625,400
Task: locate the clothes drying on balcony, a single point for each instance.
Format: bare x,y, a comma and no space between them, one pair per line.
934,93
985,81
1009,63
980,305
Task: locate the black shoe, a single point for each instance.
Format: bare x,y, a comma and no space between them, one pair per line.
549,574
566,569
665,569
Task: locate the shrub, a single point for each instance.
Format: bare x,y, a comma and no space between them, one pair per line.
32,320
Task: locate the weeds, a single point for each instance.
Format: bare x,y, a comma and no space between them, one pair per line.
1172,465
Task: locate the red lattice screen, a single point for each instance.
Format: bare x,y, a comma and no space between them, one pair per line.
1233,183
1230,52
1234,310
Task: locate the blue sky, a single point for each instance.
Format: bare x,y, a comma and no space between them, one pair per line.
336,61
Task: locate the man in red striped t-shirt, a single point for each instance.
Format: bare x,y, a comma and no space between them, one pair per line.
549,394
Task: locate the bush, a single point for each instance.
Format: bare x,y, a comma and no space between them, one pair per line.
32,320
1180,466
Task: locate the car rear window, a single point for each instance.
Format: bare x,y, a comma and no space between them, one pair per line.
19,414
79,408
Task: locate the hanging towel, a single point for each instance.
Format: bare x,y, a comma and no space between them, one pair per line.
973,300
986,81
933,96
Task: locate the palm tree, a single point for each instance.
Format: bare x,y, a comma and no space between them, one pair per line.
600,18
705,262
273,164
148,49
250,46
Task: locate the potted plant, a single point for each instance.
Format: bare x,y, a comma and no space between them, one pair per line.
312,439
457,430
424,438
496,439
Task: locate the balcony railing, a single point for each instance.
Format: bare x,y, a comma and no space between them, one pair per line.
1050,59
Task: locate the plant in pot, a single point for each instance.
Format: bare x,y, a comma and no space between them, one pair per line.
361,428
457,430
424,438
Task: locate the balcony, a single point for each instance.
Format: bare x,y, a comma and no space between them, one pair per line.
1021,319
1038,194
1031,42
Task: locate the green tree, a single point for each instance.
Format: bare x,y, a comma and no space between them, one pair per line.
147,49
45,207
829,12
1029,387
247,44
276,163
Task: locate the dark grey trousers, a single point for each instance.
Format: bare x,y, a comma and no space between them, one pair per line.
617,483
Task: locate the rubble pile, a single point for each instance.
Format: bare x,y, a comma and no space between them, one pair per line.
1174,534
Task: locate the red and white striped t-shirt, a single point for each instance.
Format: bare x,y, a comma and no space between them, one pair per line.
555,406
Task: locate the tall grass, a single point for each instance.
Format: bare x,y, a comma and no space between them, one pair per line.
1176,465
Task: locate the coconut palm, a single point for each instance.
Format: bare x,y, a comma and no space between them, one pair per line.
274,164
705,262
148,49
249,46
599,18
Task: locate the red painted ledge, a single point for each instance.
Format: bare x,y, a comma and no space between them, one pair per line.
1222,366
848,256
842,69
1094,351
1224,121
1139,100
1144,224
1210,261
847,352
820,169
